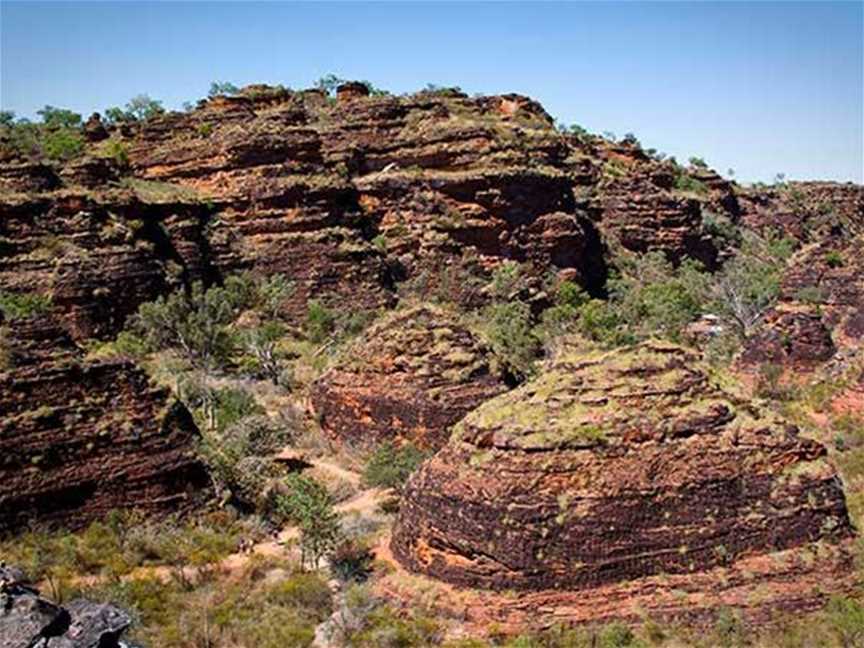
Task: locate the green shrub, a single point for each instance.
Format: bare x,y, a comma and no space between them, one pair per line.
351,561
833,259
721,229
62,144
510,334
116,151
17,306
689,184
698,162
320,321
389,466
846,619
653,298
197,323
204,129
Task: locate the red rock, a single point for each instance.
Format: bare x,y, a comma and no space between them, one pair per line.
609,467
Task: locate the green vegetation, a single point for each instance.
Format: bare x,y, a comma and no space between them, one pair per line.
17,306
834,259
389,466
308,504
688,184
138,109
507,324
116,151
320,321
56,138
222,88
198,323
268,604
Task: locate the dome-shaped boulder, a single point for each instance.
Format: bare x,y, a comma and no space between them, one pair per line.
411,376
610,466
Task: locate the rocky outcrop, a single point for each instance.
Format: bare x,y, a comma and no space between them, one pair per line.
806,211
79,437
27,620
410,377
609,467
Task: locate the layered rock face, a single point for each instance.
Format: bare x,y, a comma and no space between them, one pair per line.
609,467
410,377
821,307
28,620
80,437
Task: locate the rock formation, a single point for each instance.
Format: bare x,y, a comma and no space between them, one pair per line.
410,376
351,197
29,621
81,437
611,466
821,307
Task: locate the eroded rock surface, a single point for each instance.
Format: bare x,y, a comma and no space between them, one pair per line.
79,437
411,377
27,620
612,466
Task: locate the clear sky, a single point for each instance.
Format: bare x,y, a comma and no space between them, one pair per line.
759,87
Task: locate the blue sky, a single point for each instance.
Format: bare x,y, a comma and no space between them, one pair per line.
759,87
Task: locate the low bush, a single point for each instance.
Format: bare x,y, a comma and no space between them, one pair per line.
390,465
17,306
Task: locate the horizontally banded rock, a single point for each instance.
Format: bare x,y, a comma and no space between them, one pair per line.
807,211
821,306
81,437
409,377
610,466
27,620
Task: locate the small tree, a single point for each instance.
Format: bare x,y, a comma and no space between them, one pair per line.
308,503
142,107
261,343
59,117
222,88
698,162
749,284
511,336
329,82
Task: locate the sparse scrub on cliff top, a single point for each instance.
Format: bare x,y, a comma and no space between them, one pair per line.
222,88
138,108
58,136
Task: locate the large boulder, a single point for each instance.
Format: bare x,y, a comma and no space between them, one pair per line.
410,377
27,620
610,466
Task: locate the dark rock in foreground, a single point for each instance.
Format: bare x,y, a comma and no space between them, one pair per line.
27,620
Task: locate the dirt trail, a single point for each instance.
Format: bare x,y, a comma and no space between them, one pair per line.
364,502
